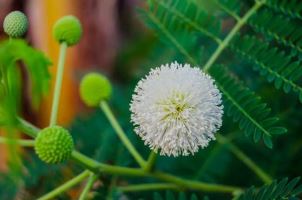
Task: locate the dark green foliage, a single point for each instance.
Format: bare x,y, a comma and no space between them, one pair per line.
277,190
246,108
170,196
232,7
292,8
270,62
281,28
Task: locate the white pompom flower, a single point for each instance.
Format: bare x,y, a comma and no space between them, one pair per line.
176,109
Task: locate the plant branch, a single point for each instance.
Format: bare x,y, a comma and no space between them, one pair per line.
98,167
121,134
24,143
69,184
242,21
58,85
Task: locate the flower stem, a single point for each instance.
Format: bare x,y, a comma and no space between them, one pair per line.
58,85
92,178
106,109
151,161
69,184
24,143
230,36
149,186
245,159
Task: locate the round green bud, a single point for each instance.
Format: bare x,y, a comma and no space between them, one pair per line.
15,24
94,88
54,145
68,29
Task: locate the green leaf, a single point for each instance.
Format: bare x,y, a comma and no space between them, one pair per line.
270,63
274,191
246,108
279,27
292,8
36,63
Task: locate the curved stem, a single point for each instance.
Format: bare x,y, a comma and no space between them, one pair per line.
149,186
24,143
58,85
230,36
92,178
69,184
151,161
121,134
245,159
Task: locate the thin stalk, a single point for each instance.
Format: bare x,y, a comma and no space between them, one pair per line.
245,159
116,126
230,36
58,84
66,186
24,143
92,178
149,186
151,161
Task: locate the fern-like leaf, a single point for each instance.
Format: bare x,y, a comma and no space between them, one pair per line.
246,107
275,65
184,16
292,8
281,190
284,30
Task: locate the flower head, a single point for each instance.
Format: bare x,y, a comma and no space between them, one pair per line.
15,24
68,29
94,88
176,109
54,145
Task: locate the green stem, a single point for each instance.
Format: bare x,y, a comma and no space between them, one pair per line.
195,185
58,85
150,162
106,109
24,143
27,128
92,178
230,36
98,167
149,186
245,159
69,184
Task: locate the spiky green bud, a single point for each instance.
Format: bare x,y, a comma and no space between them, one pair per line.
68,29
94,88
15,24
54,145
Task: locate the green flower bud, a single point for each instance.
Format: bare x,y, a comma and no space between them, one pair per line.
15,24
54,145
68,29
94,88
